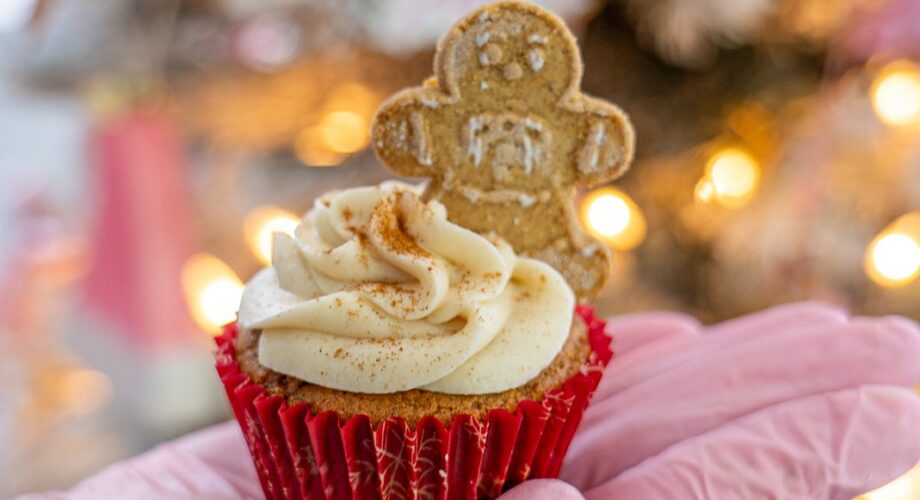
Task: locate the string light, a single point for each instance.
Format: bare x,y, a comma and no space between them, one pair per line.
893,257
896,94
260,226
613,217
344,131
353,97
734,175
311,149
212,291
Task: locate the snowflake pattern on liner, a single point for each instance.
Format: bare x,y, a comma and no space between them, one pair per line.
294,448
428,488
395,464
365,471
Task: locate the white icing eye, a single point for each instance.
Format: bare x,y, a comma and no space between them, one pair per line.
490,54
536,58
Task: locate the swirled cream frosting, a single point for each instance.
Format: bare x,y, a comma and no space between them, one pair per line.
377,292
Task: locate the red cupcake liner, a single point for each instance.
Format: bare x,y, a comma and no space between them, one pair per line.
302,455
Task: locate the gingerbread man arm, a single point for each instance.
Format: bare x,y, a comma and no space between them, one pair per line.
607,144
403,135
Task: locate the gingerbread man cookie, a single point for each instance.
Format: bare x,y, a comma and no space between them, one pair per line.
506,136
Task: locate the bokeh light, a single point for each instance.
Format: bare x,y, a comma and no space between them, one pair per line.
896,94
613,217
343,127
344,131
267,42
311,149
735,177
260,226
893,259
212,291
354,97
608,215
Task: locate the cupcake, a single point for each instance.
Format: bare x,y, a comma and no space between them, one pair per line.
391,351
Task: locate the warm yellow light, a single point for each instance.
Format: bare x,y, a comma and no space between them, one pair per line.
353,97
906,487
212,291
896,94
344,127
311,149
217,300
734,175
344,131
610,215
893,259
260,226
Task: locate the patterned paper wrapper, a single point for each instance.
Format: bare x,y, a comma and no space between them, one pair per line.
301,454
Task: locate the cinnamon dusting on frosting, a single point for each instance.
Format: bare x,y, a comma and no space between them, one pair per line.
379,292
388,222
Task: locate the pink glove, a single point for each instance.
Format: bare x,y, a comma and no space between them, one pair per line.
795,402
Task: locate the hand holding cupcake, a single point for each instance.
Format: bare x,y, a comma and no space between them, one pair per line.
426,344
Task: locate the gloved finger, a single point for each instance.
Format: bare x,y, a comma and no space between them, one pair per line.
720,386
223,449
542,489
829,446
213,463
654,358
633,331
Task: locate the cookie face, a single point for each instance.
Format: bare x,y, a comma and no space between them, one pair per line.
492,54
505,135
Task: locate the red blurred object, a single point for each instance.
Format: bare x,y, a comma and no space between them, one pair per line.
141,235
299,454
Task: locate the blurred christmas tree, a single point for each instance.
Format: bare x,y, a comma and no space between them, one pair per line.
775,139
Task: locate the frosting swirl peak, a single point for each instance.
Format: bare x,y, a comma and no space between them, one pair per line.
378,292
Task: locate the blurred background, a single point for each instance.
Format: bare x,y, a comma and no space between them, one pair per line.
149,148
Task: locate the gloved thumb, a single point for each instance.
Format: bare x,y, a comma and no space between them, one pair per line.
542,489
